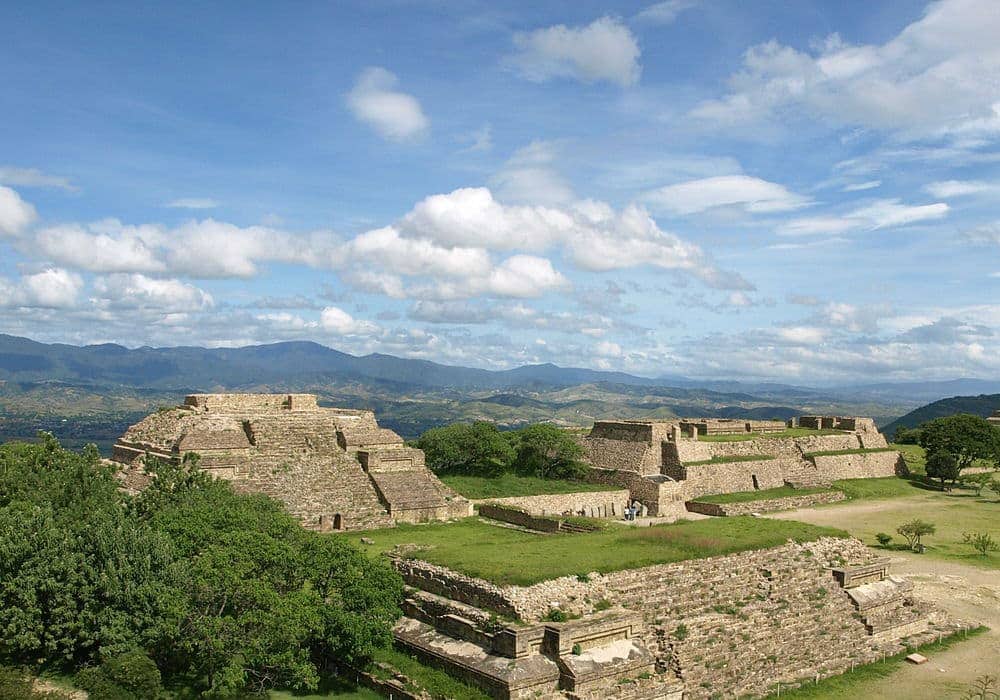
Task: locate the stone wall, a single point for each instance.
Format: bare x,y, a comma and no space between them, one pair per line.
252,402
451,584
726,626
861,466
727,477
582,503
510,515
663,497
767,505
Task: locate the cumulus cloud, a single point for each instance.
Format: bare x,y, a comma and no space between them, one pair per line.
339,322
749,193
52,288
933,79
15,214
393,114
604,50
140,291
31,177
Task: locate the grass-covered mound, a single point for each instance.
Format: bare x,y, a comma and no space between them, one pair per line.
767,494
730,459
509,484
507,556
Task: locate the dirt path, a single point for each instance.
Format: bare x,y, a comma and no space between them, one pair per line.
963,591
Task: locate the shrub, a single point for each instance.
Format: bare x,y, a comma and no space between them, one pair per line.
982,542
577,649
680,632
128,676
602,604
883,539
556,615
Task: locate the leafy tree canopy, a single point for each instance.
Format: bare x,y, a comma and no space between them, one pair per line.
965,436
225,593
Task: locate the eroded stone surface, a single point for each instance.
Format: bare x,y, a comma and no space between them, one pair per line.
333,468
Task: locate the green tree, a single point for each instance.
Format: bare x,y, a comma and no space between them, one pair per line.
942,466
914,530
478,449
977,482
128,676
964,435
549,452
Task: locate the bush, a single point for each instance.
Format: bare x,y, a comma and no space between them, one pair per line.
914,530
556,615
982,542
128,676
883,539
549,452
477,449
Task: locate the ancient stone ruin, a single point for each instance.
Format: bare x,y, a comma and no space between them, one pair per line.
664,464
995,418
741,625
333,468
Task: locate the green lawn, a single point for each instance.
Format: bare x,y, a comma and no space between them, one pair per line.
733,458
913,455
883,487
335,689
513,485
788,433
508,556
744,496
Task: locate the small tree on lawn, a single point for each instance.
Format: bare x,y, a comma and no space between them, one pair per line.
883,539
914,530
982,542
977,482
943,466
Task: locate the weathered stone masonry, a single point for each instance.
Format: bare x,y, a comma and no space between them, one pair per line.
332,468
727,626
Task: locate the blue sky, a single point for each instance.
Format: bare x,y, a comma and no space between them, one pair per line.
801,191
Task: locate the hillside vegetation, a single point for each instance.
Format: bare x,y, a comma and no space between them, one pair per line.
982,405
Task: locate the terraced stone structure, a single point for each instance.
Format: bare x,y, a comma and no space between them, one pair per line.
664,464
995,418
729,626
333,468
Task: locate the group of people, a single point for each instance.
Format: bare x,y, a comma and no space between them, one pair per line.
632,510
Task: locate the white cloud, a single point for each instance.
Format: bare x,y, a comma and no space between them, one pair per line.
15,213
882,213
604,50
608,349
959,188
937,77
802,335
30,177
525,276
665,12
395,115
861,186
529,177
887,213
750,193
594,235
140,291
986,234
339,322
52,288
192,203
480,140
104,246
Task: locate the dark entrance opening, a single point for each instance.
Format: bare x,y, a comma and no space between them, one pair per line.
756,484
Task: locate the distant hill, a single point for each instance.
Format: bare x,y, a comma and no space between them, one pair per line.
25,360
982,405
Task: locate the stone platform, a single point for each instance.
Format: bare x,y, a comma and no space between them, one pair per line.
333,468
